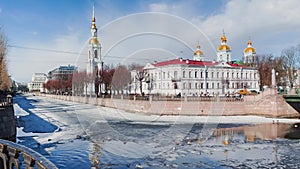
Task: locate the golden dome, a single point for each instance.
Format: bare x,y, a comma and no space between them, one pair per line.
249,48
224,47
94,41
223,38
198,51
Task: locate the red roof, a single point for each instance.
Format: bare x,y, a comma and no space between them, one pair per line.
180,61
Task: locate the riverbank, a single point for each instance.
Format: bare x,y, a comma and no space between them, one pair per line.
267,104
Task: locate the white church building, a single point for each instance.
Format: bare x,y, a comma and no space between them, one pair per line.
95,61
197,76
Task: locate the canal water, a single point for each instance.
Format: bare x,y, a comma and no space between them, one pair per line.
149,146
83,140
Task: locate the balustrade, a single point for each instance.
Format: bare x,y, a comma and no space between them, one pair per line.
10,157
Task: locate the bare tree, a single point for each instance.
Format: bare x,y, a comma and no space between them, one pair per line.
140,76
291,61
264,69
4,77
121,78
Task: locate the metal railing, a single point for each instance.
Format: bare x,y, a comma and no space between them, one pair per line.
10,157
6,101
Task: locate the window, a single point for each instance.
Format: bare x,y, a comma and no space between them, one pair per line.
190,85
196,85
212,85
218,85
96,53
201,85
159,75
168,74
232,75
196,74
201,74
237,75
183,85
183,74
164,75
212,74
175,74
190,74
207,85
217,74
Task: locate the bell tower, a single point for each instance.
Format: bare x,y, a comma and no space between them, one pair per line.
94,65
224,50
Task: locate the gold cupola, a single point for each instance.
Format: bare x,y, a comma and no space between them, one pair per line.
198,51
198,54
94,40
249,48
224,45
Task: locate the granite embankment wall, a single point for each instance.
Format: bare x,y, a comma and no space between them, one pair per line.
268,104
7,123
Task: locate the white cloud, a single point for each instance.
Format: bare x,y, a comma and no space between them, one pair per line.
266,21
159,7
23,63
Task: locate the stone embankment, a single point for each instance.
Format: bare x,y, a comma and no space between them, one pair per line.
268,104
7,123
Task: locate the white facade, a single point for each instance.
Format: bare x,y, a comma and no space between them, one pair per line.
94,64
196,77
37,82
193,78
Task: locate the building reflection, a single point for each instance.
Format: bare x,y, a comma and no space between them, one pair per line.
94,155
252,133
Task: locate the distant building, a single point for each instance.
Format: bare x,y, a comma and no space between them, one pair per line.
196,77
62,72
37,82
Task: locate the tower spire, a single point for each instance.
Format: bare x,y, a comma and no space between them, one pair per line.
93,18
93,15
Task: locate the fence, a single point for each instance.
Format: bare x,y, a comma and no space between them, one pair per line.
10,157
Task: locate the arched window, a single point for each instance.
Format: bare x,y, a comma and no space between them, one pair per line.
96,53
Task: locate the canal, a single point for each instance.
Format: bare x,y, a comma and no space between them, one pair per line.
74,135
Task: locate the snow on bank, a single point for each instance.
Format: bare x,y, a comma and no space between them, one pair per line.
19,111
120,115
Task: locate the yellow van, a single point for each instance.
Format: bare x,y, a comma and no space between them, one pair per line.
244,92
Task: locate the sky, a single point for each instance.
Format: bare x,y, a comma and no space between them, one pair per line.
43,35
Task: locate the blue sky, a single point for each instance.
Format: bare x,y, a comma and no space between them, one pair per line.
64,26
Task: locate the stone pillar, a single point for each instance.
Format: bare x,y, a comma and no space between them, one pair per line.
273,79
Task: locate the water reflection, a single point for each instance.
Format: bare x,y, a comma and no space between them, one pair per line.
268,131
229,146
